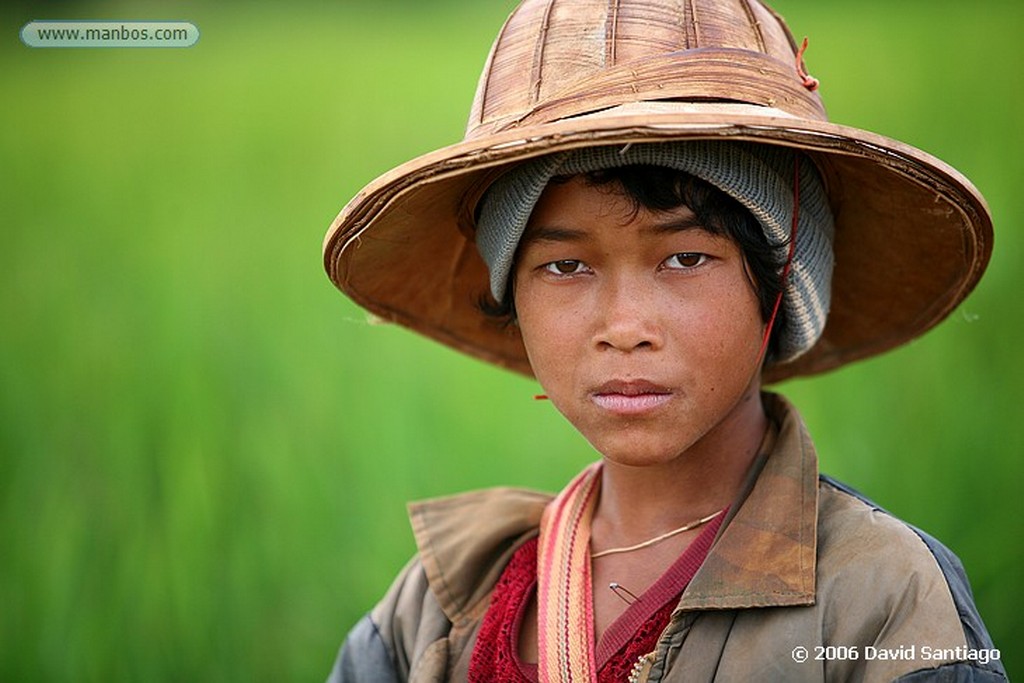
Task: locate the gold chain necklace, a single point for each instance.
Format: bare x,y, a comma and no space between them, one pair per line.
657,539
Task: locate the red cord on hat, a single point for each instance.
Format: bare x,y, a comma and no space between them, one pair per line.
809,81
784,278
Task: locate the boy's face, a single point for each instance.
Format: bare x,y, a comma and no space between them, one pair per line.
643,328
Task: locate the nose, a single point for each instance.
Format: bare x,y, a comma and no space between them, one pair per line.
627,318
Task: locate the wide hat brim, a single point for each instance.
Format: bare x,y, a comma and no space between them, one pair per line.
913,236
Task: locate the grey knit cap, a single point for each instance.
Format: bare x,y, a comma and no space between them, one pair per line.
760,177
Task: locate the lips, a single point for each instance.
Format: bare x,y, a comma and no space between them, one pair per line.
630,397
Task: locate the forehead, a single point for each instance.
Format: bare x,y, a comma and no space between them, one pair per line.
570,208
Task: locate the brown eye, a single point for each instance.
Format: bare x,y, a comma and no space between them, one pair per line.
685,260
564,267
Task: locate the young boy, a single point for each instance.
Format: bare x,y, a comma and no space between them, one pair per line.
651,214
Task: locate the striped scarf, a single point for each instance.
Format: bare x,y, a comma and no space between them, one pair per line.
564,597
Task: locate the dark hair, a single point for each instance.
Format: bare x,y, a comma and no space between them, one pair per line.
656,188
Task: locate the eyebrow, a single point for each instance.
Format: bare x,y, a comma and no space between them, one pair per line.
677,225
552,234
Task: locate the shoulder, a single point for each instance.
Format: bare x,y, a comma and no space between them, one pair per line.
426,620
852,530
887,585
465,541
385,643
854,533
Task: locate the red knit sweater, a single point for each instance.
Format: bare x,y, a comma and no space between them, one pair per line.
634,634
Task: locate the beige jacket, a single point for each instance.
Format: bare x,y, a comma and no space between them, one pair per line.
806,582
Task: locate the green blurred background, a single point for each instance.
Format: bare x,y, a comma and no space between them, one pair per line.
205,450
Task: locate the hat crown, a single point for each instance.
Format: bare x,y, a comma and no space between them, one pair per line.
554,60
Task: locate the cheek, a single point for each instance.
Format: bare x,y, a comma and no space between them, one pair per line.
736,329
551,333
720,328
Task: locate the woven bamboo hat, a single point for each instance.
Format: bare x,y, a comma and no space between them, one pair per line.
912,235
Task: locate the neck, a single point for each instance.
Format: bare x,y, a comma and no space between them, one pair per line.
639,502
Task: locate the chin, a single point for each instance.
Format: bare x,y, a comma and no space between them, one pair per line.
631,449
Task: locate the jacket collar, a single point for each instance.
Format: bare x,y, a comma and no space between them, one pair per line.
764,555
466,540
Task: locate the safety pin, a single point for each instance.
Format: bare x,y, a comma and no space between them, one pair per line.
619,590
